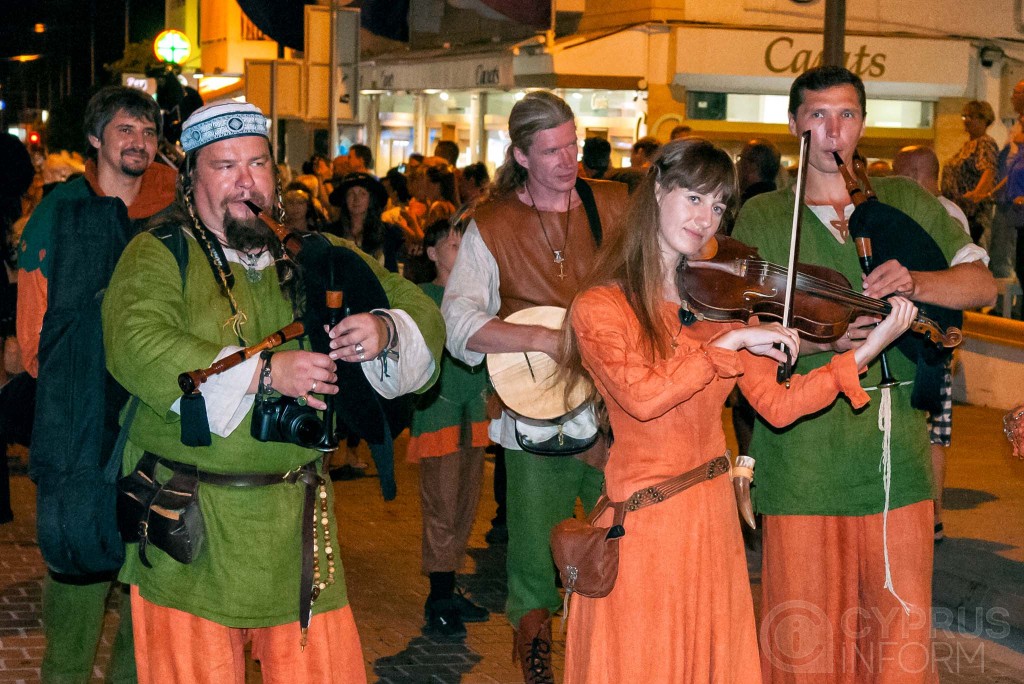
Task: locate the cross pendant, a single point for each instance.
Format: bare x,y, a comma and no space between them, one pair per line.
561,270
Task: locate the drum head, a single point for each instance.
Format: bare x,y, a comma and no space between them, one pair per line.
528,382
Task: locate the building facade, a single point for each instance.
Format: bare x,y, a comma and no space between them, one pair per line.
640,67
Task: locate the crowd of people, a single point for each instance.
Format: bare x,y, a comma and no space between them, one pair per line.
131,272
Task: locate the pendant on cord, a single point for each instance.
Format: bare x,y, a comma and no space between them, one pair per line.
249,262
560,260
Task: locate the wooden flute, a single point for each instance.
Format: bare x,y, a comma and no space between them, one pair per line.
189,382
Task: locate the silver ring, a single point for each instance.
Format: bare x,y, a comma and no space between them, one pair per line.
313,388
362,356
848,336
359,348
302,400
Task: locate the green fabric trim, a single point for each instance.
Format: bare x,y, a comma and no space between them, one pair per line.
36,239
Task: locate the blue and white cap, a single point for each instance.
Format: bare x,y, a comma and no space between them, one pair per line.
222,120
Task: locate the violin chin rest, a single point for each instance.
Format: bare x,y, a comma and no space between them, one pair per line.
708,251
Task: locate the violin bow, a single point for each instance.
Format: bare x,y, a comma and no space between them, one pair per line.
785,371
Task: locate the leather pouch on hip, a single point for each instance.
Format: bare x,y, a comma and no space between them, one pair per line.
587,556
163,514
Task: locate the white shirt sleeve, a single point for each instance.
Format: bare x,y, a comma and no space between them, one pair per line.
968,253
471,300
413,367
956,212
226,394
471,296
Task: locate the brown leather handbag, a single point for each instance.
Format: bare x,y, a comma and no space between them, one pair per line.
587,556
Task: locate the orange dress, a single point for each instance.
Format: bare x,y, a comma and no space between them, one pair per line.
681,609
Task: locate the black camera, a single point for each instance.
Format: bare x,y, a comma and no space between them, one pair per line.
282,420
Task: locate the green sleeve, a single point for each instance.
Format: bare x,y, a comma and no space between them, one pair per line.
404,295
145,326
35,240
756,227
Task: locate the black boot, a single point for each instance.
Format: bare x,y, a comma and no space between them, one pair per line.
442,616
469,611
441,612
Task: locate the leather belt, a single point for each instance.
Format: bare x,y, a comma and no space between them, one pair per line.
240,479
306,475
666,488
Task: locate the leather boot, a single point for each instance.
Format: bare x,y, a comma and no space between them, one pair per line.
532,647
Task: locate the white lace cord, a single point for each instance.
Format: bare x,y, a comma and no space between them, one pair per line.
885,425
565,610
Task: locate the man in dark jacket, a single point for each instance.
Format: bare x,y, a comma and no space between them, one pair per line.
122,128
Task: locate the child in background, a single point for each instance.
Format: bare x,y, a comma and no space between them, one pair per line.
449,433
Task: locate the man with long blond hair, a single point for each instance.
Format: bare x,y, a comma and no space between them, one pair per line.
531,244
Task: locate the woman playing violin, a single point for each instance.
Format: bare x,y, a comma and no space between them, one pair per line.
681,609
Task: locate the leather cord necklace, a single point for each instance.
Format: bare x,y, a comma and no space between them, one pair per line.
559,254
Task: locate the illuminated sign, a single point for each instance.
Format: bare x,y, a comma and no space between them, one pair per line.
172,46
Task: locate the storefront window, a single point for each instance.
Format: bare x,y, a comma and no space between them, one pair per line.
394,148
773,109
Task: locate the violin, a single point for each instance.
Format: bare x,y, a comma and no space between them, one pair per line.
732,283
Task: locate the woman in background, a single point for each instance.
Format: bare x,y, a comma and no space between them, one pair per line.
361,199
969,175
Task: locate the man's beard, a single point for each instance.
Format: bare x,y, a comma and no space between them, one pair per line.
247,235
134,171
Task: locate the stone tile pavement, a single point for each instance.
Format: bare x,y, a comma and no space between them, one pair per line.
380,549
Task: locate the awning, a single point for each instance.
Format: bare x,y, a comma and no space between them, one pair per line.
610,61
439,69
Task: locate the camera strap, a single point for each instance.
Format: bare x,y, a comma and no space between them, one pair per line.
264,388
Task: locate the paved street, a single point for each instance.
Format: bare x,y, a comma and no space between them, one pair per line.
979,573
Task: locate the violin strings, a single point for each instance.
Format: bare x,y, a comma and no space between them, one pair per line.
825,287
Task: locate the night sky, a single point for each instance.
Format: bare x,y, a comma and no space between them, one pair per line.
65,45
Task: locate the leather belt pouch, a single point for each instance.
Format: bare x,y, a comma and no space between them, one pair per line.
165,514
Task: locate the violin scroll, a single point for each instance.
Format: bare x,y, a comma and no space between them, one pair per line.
952,337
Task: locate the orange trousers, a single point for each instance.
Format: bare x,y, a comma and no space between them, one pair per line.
175,647
826,615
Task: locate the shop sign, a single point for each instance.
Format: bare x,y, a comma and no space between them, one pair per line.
710,59
454,74
782,56
487,77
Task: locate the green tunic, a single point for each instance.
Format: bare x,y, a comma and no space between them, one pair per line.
458,398
828,463
248,573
